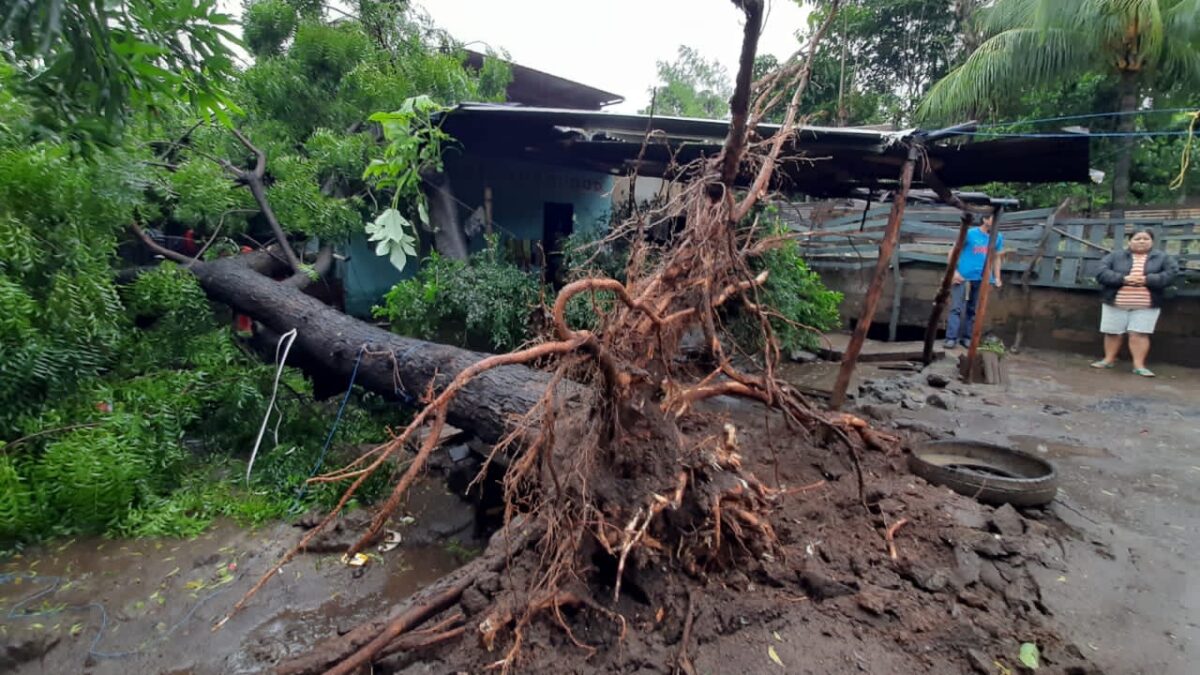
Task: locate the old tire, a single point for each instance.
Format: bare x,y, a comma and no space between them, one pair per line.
992,474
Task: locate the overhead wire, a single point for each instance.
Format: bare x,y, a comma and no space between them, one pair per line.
1086,116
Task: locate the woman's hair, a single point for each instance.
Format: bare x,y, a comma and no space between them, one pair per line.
1148,232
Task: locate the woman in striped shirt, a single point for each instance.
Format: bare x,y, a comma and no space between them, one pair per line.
1131,285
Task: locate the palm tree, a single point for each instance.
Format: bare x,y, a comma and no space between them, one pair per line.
1149,46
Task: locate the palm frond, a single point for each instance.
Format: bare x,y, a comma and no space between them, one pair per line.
1182,21
1180,68
1008,14
1006,65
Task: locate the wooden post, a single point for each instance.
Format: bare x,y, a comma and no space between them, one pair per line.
984,292
886,248
1025,276
939,301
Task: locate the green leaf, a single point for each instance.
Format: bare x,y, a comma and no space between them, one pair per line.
1030,655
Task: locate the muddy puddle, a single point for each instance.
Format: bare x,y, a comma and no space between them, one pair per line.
818,376
149,606
1055,449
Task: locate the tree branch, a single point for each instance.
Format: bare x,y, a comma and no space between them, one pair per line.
260,162
160,249
259,191
739,104
254,181
787,129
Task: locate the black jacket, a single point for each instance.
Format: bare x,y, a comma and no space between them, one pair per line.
1160,270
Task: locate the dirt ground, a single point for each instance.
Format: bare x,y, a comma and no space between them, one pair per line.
1128,449
1098,580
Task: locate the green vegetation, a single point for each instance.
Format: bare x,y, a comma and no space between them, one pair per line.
84,66
800,305
485,302
488,302
142,449
1144,47
414,146
128,408
692,86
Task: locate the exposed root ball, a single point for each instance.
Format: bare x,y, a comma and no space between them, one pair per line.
622,480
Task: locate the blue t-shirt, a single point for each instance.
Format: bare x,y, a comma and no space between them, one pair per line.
974,253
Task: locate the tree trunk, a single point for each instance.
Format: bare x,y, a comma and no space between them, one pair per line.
393,365
1127,90
448,237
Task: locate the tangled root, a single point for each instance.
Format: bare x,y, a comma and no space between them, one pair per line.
616,473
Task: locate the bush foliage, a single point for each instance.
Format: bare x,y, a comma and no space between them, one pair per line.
485,302
488,302
125,409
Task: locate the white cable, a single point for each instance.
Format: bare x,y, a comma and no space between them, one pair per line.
290,337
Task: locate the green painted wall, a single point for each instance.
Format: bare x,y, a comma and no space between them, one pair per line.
520,191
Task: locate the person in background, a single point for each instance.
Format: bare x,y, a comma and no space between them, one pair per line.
964,295
1132,282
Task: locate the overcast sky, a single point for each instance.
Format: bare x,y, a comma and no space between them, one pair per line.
613,44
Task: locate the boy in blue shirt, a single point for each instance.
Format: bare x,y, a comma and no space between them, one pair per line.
964,295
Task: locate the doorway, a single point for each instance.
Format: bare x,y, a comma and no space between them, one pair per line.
558,222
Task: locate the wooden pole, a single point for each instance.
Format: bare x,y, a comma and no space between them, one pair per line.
1025,276
984,293
886,248
943,294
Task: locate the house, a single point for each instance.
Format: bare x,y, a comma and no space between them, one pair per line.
536,174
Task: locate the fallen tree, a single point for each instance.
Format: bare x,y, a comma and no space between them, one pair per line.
391,364
614,463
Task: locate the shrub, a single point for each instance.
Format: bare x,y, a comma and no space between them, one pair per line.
110,452
795,293
484,302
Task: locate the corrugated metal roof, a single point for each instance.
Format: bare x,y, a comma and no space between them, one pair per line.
817,161
678,127
530,86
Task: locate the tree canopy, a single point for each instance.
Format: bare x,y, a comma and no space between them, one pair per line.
692,86
86,66
103,380
1149,48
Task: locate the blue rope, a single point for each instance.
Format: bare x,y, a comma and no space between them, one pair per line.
408,399
1085,134
296,503
56,583
1087,116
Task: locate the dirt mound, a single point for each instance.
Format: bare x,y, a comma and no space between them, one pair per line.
957,595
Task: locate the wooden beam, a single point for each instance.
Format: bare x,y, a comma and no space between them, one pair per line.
930,177
984,293
886,248
939,301
1037,257
1081,240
